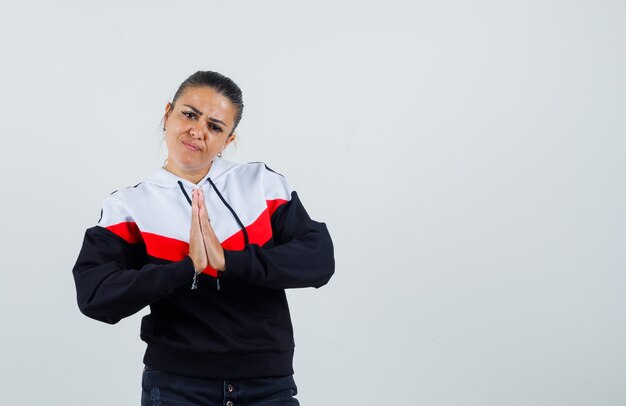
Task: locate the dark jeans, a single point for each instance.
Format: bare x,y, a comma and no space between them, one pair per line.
161,388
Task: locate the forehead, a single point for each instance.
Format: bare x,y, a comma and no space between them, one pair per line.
209,102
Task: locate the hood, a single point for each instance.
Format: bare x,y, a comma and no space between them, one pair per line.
165,179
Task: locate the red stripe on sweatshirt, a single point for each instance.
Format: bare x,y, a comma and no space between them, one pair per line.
127,230
259,232
157,246
272,205
164,247
171,249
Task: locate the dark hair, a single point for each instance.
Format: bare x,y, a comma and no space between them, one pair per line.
220,83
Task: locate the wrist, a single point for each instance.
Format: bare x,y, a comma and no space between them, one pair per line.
220,268
197,269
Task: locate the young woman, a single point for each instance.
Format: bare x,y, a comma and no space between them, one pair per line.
210,246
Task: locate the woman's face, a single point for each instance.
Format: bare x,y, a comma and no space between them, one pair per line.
197,129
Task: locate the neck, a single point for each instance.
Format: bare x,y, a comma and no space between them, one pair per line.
193,176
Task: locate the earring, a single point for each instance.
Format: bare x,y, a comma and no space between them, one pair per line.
164,128
219,155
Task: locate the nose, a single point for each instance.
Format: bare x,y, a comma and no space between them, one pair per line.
197,130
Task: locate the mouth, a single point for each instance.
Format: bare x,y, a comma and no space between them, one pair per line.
191,146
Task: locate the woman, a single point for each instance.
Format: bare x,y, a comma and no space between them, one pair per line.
210,246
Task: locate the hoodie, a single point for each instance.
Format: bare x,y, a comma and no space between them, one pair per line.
236,324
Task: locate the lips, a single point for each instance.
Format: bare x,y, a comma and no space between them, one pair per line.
191,146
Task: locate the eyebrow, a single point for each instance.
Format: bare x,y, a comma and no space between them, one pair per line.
215,120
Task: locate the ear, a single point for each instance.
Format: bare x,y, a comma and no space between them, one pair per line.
230,139
168,110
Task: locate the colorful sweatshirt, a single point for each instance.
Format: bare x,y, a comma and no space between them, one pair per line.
236,324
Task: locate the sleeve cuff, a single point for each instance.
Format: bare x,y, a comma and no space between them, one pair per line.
181,272
237,263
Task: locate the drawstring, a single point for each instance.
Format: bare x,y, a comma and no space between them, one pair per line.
184,192
243,228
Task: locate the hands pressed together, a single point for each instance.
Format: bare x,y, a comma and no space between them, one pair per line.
204,247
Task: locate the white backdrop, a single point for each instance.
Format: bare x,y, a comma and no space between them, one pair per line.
467,157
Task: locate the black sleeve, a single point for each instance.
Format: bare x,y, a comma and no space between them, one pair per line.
113,281
302,257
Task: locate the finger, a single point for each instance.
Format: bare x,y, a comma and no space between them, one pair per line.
197,208
197,250
194,208
201,200
205,226
202,207
214,250
205,221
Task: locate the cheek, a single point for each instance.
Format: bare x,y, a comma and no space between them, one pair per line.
170,141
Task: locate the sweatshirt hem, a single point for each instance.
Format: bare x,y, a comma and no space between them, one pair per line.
218,366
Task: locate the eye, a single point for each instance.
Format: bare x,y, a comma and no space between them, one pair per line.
215,128
189,114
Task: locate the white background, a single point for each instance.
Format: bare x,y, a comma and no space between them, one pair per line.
467,157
